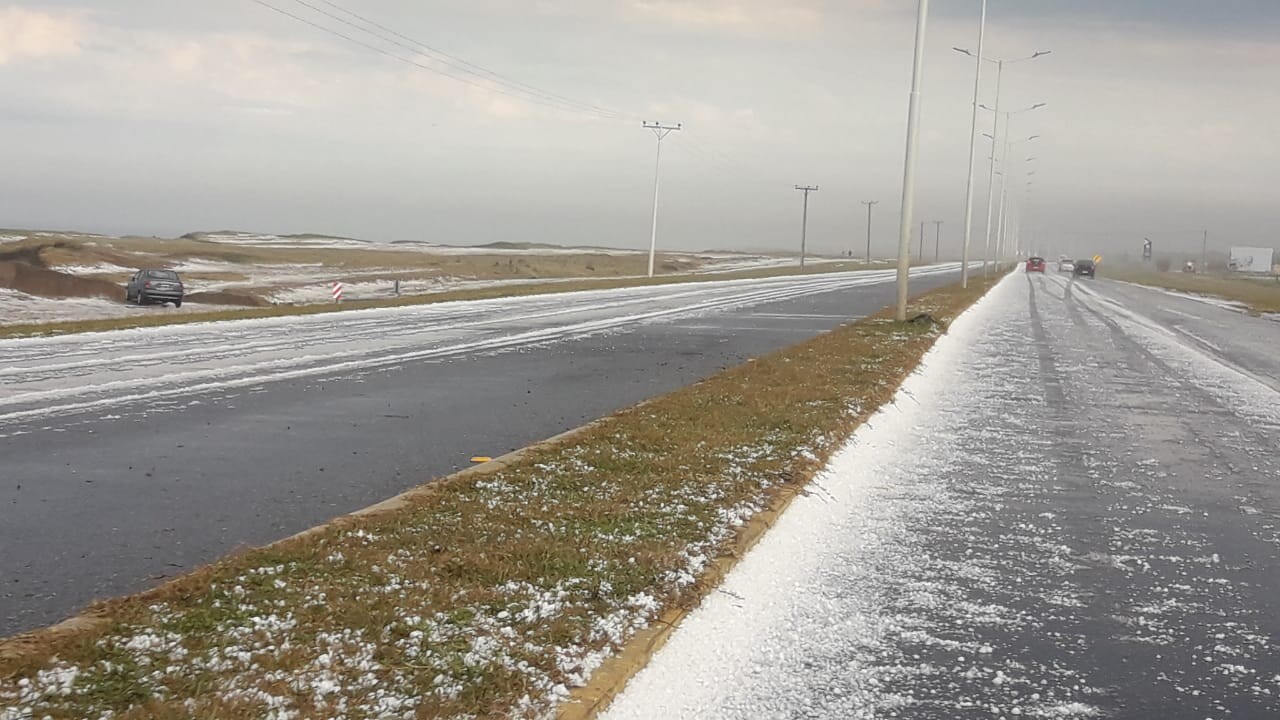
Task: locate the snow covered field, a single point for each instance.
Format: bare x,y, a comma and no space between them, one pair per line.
1035,529
301,269
100,370
19,308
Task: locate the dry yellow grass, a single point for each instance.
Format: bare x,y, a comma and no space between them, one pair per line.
1262,295
484,594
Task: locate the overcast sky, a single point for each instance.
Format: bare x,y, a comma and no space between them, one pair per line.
158,117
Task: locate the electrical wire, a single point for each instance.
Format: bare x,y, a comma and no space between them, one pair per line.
455,61
486,86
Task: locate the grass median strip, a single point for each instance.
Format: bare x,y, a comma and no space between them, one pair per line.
487,594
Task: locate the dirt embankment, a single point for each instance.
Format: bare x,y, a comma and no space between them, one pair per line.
24,269
36,280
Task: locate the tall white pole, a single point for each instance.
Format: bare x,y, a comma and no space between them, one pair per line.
661,131
991,177
804,221
1015,217
1005,165
1000,217
804,227
870,204
973,147
909,171
657,177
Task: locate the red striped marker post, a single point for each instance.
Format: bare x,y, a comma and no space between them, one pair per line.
337,292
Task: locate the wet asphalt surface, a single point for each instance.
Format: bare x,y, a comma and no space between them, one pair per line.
98,501
1117,546
1075,514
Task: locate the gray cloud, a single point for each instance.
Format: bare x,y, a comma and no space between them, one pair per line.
155,117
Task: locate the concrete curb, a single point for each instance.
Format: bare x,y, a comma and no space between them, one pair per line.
611,678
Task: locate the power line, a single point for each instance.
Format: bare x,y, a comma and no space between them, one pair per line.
471,67
439,62
383,51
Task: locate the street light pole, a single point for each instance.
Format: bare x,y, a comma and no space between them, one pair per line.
995,128
973,146
909,170
869,204
922,241
1000,217
661,131
991,177
937,241
804,222
1004,164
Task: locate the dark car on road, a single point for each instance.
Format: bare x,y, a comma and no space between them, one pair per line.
154,286
1035,264
1084,268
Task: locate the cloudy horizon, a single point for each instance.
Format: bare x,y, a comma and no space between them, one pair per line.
139,117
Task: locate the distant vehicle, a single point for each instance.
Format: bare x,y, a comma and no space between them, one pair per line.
1066,265
1084,268
1035,264
154,286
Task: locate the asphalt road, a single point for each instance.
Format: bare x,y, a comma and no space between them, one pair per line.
1077,516
133,456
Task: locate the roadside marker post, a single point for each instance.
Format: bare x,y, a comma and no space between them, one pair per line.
337,292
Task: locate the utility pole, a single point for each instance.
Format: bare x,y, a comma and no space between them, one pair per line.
804,222
909,165
937,240
922,241
869,204
1204,253
661,132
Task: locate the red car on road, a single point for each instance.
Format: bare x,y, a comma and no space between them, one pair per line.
1035,264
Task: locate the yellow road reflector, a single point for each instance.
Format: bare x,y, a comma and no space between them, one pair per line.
481,459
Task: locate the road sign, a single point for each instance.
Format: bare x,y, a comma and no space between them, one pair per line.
1097,259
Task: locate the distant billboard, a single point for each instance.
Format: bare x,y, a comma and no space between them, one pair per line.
1250,259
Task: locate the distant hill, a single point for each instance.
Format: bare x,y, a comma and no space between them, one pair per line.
223,235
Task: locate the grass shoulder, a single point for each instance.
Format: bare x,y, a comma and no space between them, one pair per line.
1260,295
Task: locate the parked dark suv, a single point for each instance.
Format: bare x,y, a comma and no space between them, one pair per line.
1084,268
154,286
